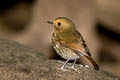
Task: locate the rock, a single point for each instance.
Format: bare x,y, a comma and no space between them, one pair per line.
49,70
12,52
18,62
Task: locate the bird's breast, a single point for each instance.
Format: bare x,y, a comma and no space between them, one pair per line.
64,52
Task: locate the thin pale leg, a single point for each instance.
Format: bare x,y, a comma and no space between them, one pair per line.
62,62
73,66
62,68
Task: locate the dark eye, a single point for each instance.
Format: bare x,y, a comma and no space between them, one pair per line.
59,24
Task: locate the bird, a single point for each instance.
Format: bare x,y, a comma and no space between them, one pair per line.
68,42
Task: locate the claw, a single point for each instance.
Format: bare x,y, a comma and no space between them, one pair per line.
60,62
72,67
63,69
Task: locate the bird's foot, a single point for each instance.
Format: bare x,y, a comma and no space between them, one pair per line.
72,67
63,69
60,62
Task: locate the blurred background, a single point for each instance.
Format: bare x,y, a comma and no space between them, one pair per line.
97,20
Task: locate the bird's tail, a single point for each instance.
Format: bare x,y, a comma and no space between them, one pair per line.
93,62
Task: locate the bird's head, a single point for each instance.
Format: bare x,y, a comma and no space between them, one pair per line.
62,24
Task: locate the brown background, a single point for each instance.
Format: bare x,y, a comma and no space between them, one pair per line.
25,21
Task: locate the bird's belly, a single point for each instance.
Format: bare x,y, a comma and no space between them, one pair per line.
64,52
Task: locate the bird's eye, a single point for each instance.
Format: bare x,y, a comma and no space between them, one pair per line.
59,24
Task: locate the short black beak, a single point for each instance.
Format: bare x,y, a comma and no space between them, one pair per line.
50,22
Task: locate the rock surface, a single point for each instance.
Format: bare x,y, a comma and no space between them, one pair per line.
18,62
49,70
12,52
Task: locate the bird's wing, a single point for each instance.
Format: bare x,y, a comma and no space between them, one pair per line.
84,45
75,47
80,50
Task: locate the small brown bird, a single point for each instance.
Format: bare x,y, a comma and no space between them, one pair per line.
68,42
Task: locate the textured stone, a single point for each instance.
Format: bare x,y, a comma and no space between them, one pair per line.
18,62
12,52
49,70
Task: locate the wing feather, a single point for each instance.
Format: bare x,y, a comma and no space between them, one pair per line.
79,49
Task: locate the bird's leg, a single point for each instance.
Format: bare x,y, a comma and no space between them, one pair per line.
62,68
73,66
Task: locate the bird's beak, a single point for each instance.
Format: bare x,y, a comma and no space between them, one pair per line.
50,22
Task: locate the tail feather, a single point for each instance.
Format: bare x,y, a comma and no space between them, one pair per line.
93,62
